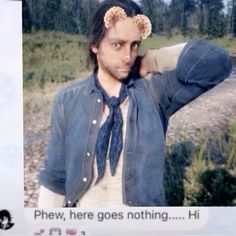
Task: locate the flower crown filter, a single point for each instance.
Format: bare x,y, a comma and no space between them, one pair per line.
115,14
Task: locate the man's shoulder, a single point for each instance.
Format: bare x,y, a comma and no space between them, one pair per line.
74,89
146,82
77,85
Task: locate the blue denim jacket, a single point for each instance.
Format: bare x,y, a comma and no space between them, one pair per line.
77,114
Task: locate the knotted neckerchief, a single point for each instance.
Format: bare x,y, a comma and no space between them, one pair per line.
112,126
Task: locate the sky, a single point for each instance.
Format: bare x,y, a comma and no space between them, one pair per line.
167,1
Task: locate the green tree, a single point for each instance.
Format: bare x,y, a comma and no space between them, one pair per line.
234,18
155,10
212,20
180,12
36,11
51,19
202,17
86,10
167,22
27,21
70,15
216,21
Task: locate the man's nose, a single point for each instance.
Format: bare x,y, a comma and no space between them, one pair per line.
127,57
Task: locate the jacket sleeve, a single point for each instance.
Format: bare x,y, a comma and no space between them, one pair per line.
201,65
53,175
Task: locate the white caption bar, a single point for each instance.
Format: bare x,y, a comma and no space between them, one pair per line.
150,218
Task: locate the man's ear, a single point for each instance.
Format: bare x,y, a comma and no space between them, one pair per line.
94,48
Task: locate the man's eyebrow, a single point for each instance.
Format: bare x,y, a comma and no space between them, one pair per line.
117,40
123,41
137,41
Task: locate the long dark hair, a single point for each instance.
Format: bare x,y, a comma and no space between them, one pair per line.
97,28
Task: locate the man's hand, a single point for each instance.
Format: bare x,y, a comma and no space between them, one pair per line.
159,60
148,63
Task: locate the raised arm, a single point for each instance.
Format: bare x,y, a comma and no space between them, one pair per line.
160,60
201,65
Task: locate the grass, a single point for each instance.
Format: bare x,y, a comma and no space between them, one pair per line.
228,43
157,41
53,57
56,57
39,101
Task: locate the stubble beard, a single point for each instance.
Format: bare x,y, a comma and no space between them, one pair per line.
114,72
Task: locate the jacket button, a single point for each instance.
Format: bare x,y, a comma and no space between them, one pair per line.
94,122
70,204
88,154
99,100
84,179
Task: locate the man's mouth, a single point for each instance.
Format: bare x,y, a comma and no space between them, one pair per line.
125,69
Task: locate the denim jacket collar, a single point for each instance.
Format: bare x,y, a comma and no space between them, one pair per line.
92,87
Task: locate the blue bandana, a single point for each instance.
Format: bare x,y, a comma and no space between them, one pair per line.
112,127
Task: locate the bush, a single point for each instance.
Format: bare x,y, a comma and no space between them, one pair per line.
203,175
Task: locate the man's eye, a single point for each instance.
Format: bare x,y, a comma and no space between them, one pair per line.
116,45
135,46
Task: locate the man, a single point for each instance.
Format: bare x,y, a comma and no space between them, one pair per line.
5,220
108,131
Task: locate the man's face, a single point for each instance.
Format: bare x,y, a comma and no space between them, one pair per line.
118,50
